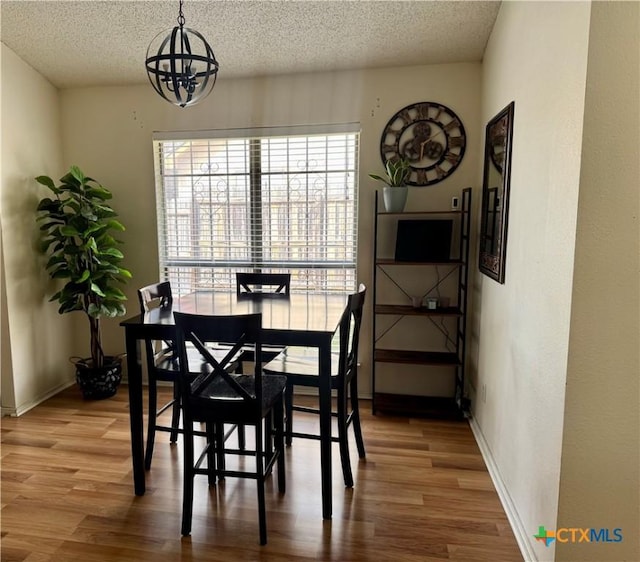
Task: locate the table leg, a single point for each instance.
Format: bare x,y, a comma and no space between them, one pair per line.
134,373
325,427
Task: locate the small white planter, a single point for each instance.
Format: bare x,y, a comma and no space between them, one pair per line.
395,198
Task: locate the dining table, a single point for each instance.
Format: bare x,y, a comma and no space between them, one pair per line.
306,319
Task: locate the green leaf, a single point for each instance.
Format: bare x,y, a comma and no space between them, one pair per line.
99,192
62,273
47,204
104,212
44,244
77,174
69,307
88,214
97,227
113,309
69,231
47,181
116,225
85,275
94,310
71,182
112,252
55,260
116,294
97,290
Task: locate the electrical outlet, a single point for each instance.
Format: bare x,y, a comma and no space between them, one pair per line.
483,393
455,203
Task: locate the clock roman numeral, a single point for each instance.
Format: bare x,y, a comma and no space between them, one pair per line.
453,124
421,178
456,142
386,148
422,111
440,172
405,116
452,158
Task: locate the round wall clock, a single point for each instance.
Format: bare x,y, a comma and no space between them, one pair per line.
430,136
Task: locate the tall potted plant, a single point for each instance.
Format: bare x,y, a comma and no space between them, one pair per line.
76,227
395,191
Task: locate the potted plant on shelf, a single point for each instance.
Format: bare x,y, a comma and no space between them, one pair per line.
394,193
77,226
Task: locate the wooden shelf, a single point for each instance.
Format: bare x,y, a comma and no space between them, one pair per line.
391,261
455,268
406,310
418,406
415,357
418,213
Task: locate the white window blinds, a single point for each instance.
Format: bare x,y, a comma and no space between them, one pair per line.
258,201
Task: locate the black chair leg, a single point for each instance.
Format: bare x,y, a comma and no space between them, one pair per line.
187,489
151,422
219,448
175,415
355,417
241,437
212,445
262,513
288,411
279,444
242,440
343,439
268,433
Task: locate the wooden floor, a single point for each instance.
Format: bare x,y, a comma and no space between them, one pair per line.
422,494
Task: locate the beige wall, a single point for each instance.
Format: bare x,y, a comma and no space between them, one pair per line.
537,57
37,341
599,483
108,133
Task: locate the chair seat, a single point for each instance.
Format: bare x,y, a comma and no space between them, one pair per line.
300,362
219,390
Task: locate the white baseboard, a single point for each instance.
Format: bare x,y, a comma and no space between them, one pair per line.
23,408
519,530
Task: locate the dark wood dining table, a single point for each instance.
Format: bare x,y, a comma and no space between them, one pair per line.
302,319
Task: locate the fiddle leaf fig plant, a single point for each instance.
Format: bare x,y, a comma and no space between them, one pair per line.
76,228
397,173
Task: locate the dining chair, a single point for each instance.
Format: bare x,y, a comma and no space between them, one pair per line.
218,396
300,366
251,283
274,285
162,365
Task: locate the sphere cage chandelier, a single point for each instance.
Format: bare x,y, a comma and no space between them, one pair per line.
183,69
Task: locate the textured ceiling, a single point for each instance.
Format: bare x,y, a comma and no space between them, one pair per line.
90,43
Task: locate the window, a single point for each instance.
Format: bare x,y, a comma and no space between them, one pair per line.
261,200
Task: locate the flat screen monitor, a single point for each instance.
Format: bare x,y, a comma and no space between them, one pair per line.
424,240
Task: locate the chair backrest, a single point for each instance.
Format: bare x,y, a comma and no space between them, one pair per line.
280,283
201,330
158,294
349,332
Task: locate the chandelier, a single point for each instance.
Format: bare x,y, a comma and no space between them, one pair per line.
181,65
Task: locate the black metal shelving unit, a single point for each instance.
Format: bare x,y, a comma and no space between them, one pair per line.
455,406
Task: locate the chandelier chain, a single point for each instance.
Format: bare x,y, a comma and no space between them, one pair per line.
181,19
